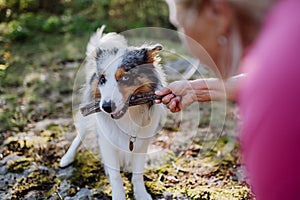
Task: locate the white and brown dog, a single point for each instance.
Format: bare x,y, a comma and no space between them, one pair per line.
115,72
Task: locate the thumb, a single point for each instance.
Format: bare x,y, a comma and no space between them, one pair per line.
163,92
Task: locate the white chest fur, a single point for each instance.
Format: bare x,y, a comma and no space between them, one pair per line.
139,122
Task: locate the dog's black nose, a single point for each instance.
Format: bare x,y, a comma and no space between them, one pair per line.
108,106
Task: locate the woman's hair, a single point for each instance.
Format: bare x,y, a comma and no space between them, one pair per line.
249,14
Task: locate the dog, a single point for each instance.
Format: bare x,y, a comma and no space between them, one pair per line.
115,72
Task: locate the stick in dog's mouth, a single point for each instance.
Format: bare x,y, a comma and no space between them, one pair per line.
137,99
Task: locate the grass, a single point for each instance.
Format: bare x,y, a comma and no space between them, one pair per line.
36,78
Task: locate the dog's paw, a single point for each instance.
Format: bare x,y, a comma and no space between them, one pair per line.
119,196
66,160
142,196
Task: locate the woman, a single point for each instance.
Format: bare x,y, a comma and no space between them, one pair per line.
261,38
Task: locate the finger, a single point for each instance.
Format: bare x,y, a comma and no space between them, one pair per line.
175,109
166,99
178,100
157,101
163,91
173,104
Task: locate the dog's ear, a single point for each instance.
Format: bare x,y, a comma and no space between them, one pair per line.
157,47
100,53
152,53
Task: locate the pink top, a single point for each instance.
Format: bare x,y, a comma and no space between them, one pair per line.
269,100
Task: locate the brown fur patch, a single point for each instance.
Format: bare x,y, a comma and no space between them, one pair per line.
120,72
140,85
152,54
145,86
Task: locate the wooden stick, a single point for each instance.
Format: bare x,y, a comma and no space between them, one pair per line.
137,99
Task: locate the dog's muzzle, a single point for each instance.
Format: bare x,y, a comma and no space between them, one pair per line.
108,106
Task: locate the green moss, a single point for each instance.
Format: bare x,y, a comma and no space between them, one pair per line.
48,155
19,119
50,135
107,191
36,180
55,131
19,166
88,171
208,175
55,127
72,191
13,144
155,187
55,187
22,143
207,193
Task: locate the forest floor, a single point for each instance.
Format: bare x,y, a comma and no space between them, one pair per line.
37,128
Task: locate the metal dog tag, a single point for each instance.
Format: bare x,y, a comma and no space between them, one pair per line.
131,142
130,145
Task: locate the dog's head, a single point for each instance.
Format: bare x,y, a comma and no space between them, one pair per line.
122,73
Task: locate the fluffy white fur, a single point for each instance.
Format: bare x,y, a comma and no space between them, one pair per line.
114,135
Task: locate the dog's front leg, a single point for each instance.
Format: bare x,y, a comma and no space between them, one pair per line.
140,192
116,182
68,158
81,126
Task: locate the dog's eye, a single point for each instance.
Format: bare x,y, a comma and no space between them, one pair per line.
125,77
102,80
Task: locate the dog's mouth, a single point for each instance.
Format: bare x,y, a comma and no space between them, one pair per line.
121,112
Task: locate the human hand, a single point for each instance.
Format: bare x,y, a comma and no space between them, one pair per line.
177,96
180,94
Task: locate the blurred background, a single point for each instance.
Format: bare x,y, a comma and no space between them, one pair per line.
47,35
